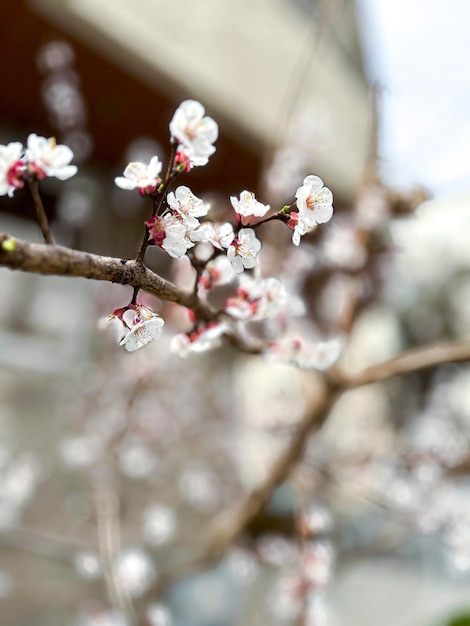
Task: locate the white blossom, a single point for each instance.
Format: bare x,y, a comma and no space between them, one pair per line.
188,206
242,253
257,299
219,235
217,272
11,168
137,175
172,234
248,206
46,158
159,615
177,240
159,524
139,326
315,206
194,131
201,340
87,564
135,571
293,350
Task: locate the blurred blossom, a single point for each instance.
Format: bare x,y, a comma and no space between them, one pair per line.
373,208
159,524
364,347
336,295
292,158
404,494
54,56
456,393
317,561
80,451
426,260
435,437
341,245
101,617
159,615
298,263
270,394
242,565
460,562
75,203
80,142
200,487
316,519
276,550
88,565
316,611
457,536
135,571
288,165
137,461
427,471
18,481
317,355
286,598
61,94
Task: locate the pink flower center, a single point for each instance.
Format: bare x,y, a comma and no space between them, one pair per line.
15,175
156,231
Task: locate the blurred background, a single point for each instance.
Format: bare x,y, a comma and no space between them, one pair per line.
170,442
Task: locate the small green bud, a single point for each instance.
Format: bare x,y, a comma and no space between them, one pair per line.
8,245
285,209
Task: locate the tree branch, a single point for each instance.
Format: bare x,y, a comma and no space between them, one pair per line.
406,363
228,525
231,522
60,261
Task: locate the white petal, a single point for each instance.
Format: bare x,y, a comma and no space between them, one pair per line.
323,212
64,172
124,183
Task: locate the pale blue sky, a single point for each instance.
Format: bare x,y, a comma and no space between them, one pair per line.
419,50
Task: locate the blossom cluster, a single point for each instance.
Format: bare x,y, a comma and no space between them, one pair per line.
180,224
42,157
137,325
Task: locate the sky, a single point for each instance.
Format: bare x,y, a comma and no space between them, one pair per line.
419,51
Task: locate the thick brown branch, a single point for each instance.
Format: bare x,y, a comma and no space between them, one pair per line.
406,363
231,522
46,259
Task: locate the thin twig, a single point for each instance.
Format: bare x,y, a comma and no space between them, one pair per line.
158,201
43,544
40,211
107,506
